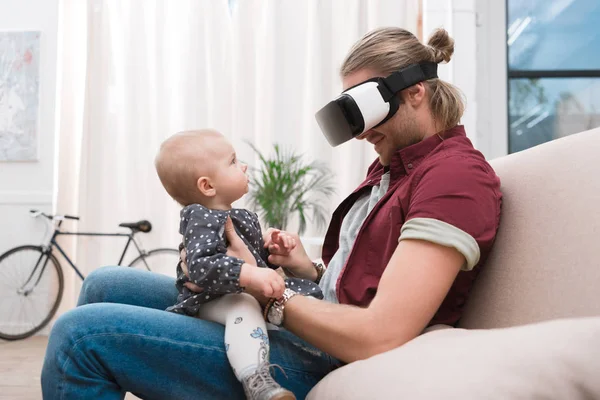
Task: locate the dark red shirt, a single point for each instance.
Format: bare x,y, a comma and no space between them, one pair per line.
443,179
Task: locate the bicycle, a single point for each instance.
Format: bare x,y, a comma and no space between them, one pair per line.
42,278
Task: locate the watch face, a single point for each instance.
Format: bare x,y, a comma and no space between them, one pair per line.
275,315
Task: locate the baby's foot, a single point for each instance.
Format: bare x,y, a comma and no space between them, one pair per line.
261,386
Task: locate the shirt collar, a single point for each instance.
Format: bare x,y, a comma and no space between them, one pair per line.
405,160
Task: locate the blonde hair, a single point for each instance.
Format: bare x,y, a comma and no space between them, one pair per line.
387,50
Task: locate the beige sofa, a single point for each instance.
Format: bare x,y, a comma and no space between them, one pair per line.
545,266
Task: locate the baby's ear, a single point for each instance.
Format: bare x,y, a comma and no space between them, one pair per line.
205,186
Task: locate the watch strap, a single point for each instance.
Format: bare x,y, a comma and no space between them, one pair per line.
267,308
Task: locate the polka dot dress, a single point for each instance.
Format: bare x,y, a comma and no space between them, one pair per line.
208,264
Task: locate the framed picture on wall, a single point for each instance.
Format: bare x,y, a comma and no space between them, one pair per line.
19,95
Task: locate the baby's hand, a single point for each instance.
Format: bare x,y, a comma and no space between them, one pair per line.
279,242
263,280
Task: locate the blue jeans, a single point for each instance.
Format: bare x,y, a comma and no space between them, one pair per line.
119,339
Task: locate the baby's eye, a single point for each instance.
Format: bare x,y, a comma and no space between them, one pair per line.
233,161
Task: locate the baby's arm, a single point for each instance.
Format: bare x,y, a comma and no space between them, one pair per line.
210,269
208,265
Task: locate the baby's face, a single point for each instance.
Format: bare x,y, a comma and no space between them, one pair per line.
229,176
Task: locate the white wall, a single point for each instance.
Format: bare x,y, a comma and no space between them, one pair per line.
30,185
492,113
458,17
478,66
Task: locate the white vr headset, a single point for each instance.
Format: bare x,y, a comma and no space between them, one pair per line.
369,104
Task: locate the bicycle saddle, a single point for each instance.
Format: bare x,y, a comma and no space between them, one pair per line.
140,226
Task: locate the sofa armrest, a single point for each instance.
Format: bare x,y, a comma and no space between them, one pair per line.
552,360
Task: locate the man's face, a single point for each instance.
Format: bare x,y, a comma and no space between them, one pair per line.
398,132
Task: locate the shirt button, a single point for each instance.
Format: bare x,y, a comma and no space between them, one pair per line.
410,166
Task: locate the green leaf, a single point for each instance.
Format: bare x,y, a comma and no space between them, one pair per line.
285,185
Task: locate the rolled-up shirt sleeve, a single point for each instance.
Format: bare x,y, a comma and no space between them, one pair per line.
455,203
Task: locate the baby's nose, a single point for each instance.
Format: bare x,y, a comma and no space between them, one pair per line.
244,167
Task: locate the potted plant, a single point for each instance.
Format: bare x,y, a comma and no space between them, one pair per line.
286,185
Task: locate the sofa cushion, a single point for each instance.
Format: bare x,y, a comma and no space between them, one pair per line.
551,360
545,262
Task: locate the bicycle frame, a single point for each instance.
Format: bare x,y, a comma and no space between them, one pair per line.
54,243
58,232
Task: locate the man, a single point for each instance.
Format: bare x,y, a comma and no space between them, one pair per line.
402,252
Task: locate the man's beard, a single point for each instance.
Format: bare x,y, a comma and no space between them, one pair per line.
407,133
408,139
404,133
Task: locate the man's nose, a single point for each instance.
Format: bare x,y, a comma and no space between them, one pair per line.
363,135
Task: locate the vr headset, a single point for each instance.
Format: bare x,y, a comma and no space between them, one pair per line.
369,104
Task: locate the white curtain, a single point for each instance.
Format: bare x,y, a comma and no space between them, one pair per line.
134,72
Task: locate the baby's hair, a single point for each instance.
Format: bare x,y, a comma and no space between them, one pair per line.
179,164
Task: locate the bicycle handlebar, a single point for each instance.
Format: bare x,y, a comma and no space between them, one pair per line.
37,213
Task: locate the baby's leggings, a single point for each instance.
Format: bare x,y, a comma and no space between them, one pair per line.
246,340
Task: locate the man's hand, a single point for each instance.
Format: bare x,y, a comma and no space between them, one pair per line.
237,248
261,283
262,280
183,260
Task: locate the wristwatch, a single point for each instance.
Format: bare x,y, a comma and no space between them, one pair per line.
320,271
275,314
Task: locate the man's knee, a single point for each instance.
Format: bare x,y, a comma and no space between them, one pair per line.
96,285
62,336
65,326
65,342
66,331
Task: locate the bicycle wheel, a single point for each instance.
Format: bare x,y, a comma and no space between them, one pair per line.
31,287
162,261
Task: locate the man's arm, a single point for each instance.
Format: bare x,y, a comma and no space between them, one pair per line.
412,288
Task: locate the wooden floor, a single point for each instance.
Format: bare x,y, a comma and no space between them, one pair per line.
20,367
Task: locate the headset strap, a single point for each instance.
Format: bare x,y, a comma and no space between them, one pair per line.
407,77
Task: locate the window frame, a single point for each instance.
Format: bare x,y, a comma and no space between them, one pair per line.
535,74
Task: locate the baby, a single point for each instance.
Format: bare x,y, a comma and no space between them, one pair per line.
199,169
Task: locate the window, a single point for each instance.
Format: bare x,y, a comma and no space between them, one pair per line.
553,69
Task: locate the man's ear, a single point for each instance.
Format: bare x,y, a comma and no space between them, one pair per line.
205,186
415,95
